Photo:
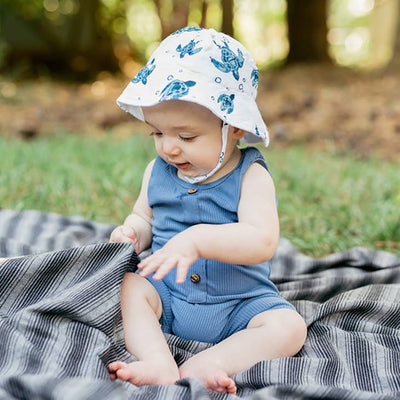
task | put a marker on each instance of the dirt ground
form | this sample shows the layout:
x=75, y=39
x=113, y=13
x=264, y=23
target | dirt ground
x=320, y=106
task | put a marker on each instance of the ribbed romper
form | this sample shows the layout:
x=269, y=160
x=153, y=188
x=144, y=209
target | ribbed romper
x=217, y=299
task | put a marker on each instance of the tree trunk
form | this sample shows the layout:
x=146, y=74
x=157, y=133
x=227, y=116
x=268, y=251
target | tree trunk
x=178, y=19
x=204, y=8
x=180, y=12
x=307, y=26
x=227, y=17
x=157, y=3
x=82, y=26
x=395, y=62
x=80, y=46
x=88, y=48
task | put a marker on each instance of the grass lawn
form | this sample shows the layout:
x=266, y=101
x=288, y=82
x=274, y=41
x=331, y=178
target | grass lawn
x=327, y=202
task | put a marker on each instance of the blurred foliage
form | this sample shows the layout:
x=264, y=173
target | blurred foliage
x=61, y=35
x=86, y=35
x=262, y=28
x=363, y=32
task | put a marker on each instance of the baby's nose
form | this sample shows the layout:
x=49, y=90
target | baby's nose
x=170, y=147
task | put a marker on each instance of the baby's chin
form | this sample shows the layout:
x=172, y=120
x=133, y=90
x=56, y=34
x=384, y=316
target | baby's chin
x=185, y=174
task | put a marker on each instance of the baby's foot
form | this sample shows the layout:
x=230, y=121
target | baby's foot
x=213, y=377
x=143, y=373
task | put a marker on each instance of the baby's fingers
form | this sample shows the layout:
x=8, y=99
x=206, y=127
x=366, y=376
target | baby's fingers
x=157, y=262
x=164, y=268
x=118, y=236
x=128, y=232
x=182, y=270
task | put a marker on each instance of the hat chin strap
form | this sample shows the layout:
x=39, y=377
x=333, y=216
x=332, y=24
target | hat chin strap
x=202, y=178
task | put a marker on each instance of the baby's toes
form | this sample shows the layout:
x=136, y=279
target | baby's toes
x=224, y=384
x=115, y=366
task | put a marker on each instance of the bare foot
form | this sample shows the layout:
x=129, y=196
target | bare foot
x=213, y=377
x=143, y=373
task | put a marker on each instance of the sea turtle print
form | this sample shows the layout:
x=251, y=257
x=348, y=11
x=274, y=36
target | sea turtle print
x=187, y=29
x=144, y=73
x=226, y=102
x=188, y=49
x=176, y=89
x=254, y=77
x=230, y=62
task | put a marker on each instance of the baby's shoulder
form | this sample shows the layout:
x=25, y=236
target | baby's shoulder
x=252, y=158
x=257, y=175
x=256, y=171
x=148, y=171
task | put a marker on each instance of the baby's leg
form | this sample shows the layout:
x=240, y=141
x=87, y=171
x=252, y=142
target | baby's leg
x=271, y=334
x=141, y=310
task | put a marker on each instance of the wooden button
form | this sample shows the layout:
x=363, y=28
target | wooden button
x=193, y=190
x=195, y=278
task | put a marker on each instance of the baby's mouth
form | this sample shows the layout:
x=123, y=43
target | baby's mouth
x=182, y=166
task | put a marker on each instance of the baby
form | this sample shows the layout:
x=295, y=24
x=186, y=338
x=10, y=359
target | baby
x=208, y=211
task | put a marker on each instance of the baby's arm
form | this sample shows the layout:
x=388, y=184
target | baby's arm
x=253, y=239
x=136, y=228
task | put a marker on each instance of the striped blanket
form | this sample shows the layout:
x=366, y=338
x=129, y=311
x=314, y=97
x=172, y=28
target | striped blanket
x=60, y=321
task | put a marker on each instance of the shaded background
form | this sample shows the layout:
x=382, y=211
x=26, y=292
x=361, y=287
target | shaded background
x=330, y=68
x=80, y=37
x=329, y=93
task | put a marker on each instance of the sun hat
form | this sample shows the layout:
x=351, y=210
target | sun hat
x=206, y=67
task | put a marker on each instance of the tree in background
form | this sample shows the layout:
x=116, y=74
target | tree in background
x=307, y=31
x=69, y=35
x=84, y=37
x=174, y=14
x=307, y=23
x=395, y=62
x=227, y=17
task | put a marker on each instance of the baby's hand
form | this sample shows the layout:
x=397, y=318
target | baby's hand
x=124, y=234
x=180, y=252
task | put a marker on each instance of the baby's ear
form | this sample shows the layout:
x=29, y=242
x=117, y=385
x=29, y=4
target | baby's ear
x=238, y=133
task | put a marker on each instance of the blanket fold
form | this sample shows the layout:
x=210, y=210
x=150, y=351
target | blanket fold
x=60, y=320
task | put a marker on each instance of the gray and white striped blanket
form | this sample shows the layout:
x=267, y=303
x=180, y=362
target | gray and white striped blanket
x=60, y=322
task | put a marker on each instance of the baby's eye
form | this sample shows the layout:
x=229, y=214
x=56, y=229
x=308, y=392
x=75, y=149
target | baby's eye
x=157, y=134
x=187, y=138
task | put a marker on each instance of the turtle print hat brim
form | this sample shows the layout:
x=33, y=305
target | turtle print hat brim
x=205, y=67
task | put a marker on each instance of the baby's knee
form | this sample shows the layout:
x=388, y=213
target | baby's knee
x=134, y=281
x=296, y=331
x=288, y=325
x=138, y=289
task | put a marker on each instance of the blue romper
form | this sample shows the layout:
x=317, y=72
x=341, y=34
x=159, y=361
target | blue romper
x=217, y=299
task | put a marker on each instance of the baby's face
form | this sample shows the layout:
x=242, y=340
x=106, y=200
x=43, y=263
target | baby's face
x=187, y=136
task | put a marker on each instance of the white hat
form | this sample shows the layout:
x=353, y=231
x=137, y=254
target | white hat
x=205, y=67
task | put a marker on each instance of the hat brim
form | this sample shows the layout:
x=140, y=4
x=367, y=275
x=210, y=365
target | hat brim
x=136, y=96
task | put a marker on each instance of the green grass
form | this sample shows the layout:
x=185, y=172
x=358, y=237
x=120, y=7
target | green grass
x=327, y=202
x=97, y=178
